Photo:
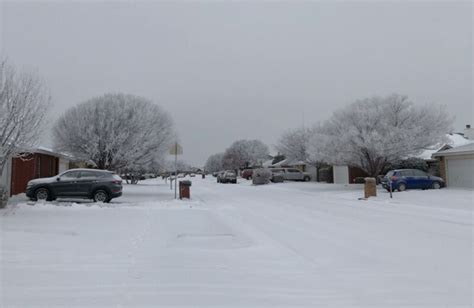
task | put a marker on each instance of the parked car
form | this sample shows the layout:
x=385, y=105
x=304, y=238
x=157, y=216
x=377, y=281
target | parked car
x=292, y=174
x=403, y=179
x=228, y=176
x=278, y=175
x=149, y=175
x=98, y=185
x=218, y=175
x=247, y=174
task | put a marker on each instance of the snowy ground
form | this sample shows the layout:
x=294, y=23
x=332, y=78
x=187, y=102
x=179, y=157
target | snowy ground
x=285, y=245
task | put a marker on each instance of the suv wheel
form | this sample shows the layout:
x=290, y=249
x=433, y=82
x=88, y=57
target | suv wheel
x=42, y=194
x=402, y=187
x=307, y=178
x=436, y=185
x=101, y=196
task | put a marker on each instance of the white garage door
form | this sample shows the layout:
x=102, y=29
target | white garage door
x=461, y=172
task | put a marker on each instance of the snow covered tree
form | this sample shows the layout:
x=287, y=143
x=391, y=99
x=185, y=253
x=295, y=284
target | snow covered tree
x=24, y=101
x=245, y=153
x=373, y=132
x=214, y=163
x=295, y=144
x=116, y=131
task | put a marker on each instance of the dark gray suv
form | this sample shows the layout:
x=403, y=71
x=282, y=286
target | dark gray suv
x=99, y=185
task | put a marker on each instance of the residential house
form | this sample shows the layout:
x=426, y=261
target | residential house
x=456, y=161
x=344, y=174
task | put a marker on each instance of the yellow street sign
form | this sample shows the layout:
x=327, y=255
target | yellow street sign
x=176, y=149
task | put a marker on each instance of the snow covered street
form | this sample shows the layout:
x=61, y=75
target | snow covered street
x=286, y=245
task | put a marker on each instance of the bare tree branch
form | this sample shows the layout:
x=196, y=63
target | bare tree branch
x=24, y=101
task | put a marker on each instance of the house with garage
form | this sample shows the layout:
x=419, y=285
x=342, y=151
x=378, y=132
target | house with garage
x=343, y=174
x=457, y=166
x=32, y=164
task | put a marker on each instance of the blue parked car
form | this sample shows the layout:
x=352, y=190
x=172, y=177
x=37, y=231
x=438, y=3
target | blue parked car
x=403, y=179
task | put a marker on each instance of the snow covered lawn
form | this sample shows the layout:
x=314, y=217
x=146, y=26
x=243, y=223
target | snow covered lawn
x=287, y=245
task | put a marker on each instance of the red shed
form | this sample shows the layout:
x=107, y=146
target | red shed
x=38, y=164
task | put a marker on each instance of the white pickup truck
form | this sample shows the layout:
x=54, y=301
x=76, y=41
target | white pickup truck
x=292, y=174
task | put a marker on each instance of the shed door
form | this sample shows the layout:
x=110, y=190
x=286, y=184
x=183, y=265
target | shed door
x=23, y=170
x=461, y=172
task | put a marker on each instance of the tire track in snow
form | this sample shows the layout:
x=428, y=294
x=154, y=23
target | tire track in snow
x=135, y=244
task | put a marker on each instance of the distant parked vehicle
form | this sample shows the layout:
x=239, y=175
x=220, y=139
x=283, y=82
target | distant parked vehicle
x=149, y=176
x=292, y=174
x=99, y=185
x=192, y=175
x=228, y=176
x=278, y=175
x=219, y=175
x=247, y=174
x=403, y=179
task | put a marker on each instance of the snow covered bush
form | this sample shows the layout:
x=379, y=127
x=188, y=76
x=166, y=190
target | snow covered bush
x=374, y=132
x=3, y=198
x=261, y=176
x=116, y=131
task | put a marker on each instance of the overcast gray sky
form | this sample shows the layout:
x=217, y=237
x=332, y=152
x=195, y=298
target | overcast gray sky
x=232, y=70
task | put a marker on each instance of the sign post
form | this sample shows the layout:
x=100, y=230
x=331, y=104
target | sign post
x=175, y=150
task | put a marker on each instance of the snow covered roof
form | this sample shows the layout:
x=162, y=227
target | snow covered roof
x=288, y=162
x=461, y=150
x=281, y=163
x=267, y=163
x=454, y=140
x=47, y=151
